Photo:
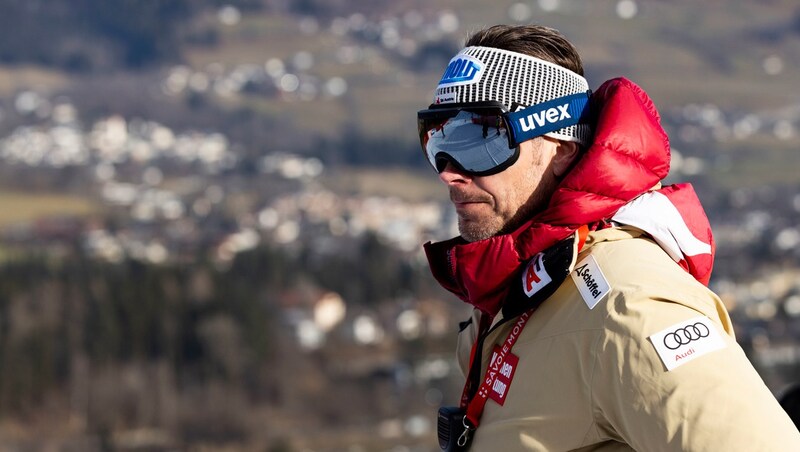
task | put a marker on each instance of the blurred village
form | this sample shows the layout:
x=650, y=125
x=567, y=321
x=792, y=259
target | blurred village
x=302, y=316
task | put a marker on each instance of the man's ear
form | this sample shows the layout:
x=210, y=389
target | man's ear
x=566, y=155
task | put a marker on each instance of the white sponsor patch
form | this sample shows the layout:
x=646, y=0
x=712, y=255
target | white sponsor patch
x=445, y=98
x=535, y=276
x=685, y=341
x=591, y=282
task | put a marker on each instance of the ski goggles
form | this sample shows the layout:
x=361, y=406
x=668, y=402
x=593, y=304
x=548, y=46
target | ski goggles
x=483, y=138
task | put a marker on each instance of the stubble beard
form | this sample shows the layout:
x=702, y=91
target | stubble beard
x=473, y=229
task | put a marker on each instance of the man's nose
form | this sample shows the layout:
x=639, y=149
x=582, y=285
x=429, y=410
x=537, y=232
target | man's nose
x=452, y=175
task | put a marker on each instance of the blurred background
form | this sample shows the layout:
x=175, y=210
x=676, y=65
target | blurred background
x=211, y=211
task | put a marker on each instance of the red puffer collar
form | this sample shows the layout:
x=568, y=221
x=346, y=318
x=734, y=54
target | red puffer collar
x=629, y=156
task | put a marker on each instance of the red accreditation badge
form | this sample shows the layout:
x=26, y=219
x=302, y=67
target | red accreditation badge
x=504, y=374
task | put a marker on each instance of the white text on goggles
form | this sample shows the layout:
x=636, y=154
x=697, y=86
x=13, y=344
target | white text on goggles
x=483, y=139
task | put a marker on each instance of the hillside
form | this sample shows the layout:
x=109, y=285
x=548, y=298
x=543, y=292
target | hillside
x=341, y=84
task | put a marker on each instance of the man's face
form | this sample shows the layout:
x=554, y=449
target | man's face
x=499, y=203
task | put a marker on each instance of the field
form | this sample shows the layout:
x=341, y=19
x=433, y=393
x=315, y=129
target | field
x=16, y=207
x=393, y=182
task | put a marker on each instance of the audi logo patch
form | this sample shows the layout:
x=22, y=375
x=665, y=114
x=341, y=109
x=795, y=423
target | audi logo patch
x=686, y=341
x=683, y=336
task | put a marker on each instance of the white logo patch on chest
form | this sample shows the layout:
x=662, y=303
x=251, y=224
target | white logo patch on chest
x=591, y=282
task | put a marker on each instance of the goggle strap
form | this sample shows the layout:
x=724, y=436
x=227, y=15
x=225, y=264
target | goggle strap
x=547, y=117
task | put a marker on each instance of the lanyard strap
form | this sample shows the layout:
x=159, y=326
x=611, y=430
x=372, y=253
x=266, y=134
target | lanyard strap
x=475, y=406
x=473, y=376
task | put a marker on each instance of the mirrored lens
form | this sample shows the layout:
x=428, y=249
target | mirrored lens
x=475, y=143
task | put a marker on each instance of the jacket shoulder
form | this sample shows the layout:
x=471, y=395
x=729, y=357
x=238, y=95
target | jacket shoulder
x=667, y=354
x=641, y=275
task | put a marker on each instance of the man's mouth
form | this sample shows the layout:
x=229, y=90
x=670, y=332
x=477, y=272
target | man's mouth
x=463, y=199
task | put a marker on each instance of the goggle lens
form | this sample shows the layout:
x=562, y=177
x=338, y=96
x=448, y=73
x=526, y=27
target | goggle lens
x=474, y=141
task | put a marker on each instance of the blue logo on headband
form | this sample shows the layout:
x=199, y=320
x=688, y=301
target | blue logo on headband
x=461, y=70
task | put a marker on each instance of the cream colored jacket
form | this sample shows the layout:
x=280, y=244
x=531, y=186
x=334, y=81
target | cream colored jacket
x=593, y=379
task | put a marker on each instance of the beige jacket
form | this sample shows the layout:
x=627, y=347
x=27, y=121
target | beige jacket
x=593, y=379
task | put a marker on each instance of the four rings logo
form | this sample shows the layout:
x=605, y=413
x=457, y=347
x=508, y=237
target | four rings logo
x=686, y=341
x=685, y=335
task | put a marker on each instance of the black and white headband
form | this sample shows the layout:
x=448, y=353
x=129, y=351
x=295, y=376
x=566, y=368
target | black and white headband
x=480, y=74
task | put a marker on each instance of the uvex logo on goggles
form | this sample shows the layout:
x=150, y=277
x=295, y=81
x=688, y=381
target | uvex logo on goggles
x=547, y=117
x=483, y=138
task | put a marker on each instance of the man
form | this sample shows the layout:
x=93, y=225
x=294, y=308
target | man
x=593, y=328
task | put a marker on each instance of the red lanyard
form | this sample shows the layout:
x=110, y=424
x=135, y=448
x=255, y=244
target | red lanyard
x=474, y=407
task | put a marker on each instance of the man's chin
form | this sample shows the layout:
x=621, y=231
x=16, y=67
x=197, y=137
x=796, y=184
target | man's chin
x=473, y=231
